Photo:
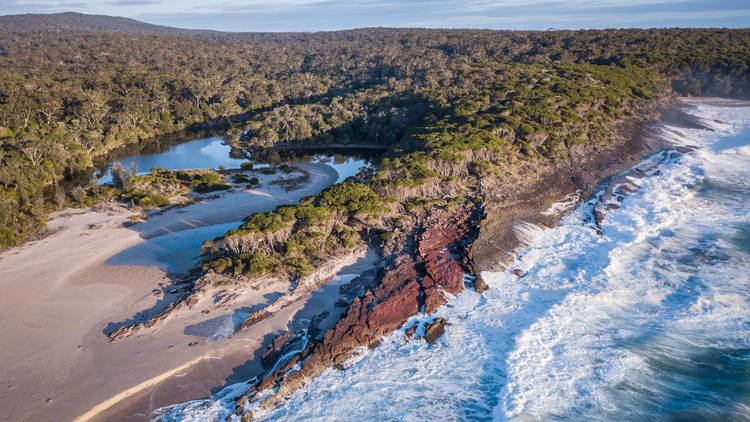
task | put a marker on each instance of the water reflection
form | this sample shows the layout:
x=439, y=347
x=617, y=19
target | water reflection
x=197, y=154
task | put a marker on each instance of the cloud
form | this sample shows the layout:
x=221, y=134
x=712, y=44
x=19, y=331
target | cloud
x=540, y=14
x=39, y=6
x=317, y=15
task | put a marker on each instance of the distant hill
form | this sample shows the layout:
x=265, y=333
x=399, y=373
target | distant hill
x=83, y=22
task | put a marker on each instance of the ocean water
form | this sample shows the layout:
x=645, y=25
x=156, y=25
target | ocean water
x=647, y=321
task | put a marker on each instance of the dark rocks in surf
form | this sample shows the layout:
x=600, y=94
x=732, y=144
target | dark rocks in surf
x=435, y=330
x=281, y=345
x=625, y=184
x=357, y=286
x=480, y=286
x=410, y=331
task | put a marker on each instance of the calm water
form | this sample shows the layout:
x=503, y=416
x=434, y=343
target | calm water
x=649, y=321
x=176, y=252
x=206, y=153
x=210, y=153
x=179, y=251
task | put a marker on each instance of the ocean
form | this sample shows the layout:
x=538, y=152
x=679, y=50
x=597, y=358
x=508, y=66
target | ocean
x=644, y=318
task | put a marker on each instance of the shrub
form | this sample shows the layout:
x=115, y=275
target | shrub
x=240, y=178
x=259, y=264
x=78, y=195
x=288, y=213
x=269, y=222
x=355, y=198
x=209, y=182
x=300, y=266
x=218, y=265
x=159, y=200
x=310, y=215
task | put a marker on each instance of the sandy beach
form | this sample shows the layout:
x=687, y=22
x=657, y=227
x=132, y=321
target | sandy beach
x=59, y=294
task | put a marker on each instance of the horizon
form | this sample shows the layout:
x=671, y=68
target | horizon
x=334, y=15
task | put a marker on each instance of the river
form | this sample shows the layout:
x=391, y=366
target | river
x=647, y=320
x=177, y=251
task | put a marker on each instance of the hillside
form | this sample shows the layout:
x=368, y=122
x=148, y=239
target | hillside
x=84, y=22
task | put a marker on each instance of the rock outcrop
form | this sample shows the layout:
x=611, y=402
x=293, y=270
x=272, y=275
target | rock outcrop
x=532, y=192
x=411, y=282
x=629, y=181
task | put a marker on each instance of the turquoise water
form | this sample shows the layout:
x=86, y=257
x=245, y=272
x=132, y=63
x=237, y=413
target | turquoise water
x=647, y=321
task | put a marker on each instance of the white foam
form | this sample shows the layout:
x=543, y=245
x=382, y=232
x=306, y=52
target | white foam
x=592, y=329
x=568, y=202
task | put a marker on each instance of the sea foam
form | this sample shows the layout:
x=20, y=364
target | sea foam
x=648, y=320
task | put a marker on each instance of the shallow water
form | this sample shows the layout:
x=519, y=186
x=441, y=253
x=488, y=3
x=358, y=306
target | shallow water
x=648, y=321
x=179, y=251
x=176, y=252
x=205, y=153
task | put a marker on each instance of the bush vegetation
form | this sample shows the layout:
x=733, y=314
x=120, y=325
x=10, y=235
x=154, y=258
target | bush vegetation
x=293, y=239
x=447, y=103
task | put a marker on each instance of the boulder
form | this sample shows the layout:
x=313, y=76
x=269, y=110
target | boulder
x=434, y=330
x=480, y=286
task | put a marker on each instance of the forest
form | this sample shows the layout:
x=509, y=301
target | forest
x=453, y=107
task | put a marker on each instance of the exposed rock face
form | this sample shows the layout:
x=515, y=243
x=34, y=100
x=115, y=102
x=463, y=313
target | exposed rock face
x=411, y=281
x=357, y=286
x=480, y=285
x=526, y=198
x=280, y=345
x=430, y=264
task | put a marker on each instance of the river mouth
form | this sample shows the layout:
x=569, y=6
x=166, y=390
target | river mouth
x=105, y=271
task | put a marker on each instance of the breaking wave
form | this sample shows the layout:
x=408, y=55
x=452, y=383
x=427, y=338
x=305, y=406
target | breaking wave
x=649, y=320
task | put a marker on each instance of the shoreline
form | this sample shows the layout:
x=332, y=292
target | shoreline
x=648, y=143
x=81, y=278
x=408, y=286
x=234, y=363
x=60, y=294
x=633, y=141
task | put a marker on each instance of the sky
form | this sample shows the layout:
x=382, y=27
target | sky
x=325, y=15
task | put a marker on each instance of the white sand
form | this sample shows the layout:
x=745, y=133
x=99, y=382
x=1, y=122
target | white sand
x=57, y=295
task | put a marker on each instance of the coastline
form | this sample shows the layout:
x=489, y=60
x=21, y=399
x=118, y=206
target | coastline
x=415, y=278
x=59, y=294
x=527, y=208
x=546, y=340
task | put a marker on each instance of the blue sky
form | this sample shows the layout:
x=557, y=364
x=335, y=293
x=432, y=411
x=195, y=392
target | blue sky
x=322, y=15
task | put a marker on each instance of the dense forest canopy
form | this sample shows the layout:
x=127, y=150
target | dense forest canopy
x=450, y=104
